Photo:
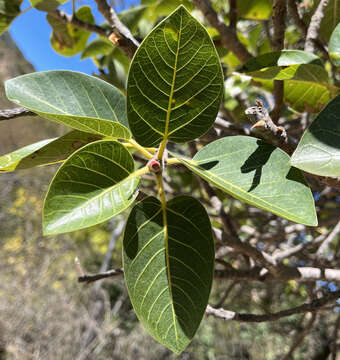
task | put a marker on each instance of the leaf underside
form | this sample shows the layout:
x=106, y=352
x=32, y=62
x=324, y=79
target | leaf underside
x=175, y=82
x=74, y=99
x=169, y=269
x=257, y=173
x=318, y=151
x=93, y=185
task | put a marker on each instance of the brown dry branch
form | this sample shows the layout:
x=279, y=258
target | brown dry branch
x=312, y=306
x=229, y=39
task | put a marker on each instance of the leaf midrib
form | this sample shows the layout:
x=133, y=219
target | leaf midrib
x=270, y=206
x=167, y=120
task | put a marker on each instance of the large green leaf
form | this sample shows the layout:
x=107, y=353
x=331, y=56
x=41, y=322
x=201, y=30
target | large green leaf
x=258, y=173
x=9, y=9
x=318, y=151
x=280, y=58
x=74, y=99
x=168, y=266
x=255, y=10
x=334, y=46
x=96, y=183
x=45, y=152
x=67, y=39
x=175, y=82
x=47, y=5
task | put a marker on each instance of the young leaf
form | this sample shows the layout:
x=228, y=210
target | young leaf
x=168, y=266
x=175, y=82
x=9, y=9
x=96, y=183
x=318, y=151
x=47, y=5
x=303, y=72
x=45, y=152
x=257, y=173
x=67, y=39
x=255, y=10
x=74, y=99
x=280, y=58
x=98, y=47
x=334, y=46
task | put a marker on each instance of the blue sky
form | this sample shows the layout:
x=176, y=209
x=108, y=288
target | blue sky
x=32, y=33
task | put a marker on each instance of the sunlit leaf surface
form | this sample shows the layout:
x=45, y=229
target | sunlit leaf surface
x=258, y=173
x=318, y=151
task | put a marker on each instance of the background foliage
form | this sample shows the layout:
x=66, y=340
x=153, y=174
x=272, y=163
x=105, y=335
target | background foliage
x=40, y=298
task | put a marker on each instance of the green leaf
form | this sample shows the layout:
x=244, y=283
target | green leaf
x=318, y=151
x=303, y=95
x=257, y=173
x=334, y=46
x=254, y=10
x=74, y=99
x=96, y=183
x=9, y=9
x=175, y=82
x=67, y=39
x=280, y=58
x=98, y=47
x=47, y=5
x=168, y=267
x=302, y=72
x=131, y=17
x=45, y=152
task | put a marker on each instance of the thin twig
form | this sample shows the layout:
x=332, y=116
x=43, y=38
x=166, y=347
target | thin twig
x=69, y=19
x=293, y=10
x=121, y=36
x=14, y=113
x=323, y=247
x=297, y=341
x=229, y=39
x=335, y=338
x=314, y=26
x=313, y=306
x=226, y=294
x=282, y=273
x=279, y=17
x=94, y=277
x=232, y=15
